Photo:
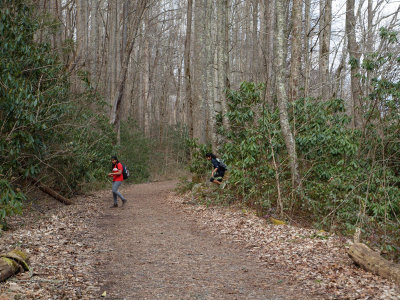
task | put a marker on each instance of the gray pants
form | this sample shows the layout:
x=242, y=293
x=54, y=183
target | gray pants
x=115, y=192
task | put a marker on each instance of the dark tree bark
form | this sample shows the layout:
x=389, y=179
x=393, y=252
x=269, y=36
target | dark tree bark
x=188, y=104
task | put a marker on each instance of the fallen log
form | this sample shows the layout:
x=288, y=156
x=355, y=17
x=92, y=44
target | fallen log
x=51, y=192
x=276, y=221
x=371, y=261
x=12, y=263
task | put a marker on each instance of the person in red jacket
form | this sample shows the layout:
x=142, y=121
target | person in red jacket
x=118, y=178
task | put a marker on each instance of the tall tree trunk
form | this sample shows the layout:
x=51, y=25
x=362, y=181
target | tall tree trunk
x=110, y=51
x=355, y=54
x=210, y=72
x=94, y=38
x=146, y=80
x=198, y=73
x=80, y=42
x=254, y=39
x=370, y=43
x=188, y=104
x=55, y=10
x=324, y=46
x=116, y=109
x=307, y=54
x=281, y=91
x=269, y=21
x=296, y=51
x=341, y=69
x=222, y=61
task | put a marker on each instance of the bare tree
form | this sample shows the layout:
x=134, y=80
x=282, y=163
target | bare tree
x=199, y=116
x=355, y=55
x=324, y=46
x=307, y=55
x=187, y=62
x=281, y=91
x=222, y=60
x=267, y=46
x=296, y=51
x=116, y=109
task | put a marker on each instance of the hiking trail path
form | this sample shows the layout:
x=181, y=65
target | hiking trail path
x=161, y=245
x=154, y=251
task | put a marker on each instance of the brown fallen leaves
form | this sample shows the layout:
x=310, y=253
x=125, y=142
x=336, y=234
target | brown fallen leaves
x=62, y=251
x=316, y=259
x=63, y=247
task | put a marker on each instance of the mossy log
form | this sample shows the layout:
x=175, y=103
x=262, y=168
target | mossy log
x=12, y=263
x=51, y=192
x=373, y=262
x=276, y=221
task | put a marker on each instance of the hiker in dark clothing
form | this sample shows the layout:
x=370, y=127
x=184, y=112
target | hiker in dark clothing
x=218, y=168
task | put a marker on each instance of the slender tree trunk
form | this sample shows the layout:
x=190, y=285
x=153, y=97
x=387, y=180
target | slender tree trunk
x=94, y=37
x=269, y=20
x=307, y=54
x=370, y=43
x=55, y=10
x=281, y=92
x=222, y=61
x=179, y=113
x=296, y=51
x=111, y=51
x=341, y=69
x=325, y=37
x=116, y=109
x=254, y=33
x=80, y=42
x=146, y=80
x=210, y=67
x=198, y=73
x=354, y=52
x=188, y=104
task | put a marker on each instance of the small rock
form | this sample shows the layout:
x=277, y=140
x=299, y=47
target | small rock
x=14, y=287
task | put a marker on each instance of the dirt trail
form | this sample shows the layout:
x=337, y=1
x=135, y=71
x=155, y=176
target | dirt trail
x=152, y=251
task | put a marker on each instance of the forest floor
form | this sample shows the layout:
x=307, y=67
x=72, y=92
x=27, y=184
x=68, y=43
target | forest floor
x=159, y=246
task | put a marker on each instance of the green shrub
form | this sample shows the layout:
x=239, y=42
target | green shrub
x=46, y=131
x=349, y=178
x=10, y=200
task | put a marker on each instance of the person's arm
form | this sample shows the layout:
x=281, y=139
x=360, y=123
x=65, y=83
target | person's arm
x=119, y=172
x=212, y=173
x=215, y=166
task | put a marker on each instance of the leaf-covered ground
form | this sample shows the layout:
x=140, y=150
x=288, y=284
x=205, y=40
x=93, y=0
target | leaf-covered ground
x=158, y=247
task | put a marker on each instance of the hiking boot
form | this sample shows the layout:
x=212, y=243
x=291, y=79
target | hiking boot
x=114, y=205
x=123, y=202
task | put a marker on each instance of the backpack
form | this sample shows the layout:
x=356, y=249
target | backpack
x=125, y=171
x=222, y=164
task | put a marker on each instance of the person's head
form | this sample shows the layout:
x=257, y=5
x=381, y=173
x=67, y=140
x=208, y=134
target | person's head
x=114, y=160
x=210, y=156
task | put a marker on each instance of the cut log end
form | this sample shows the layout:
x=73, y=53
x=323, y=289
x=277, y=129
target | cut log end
x=13, y=262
